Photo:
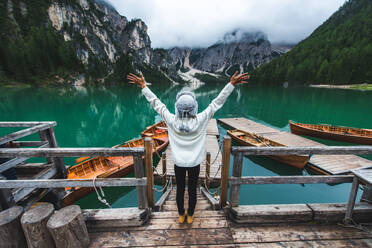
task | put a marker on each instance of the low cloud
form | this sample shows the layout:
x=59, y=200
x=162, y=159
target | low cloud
x=203, y=22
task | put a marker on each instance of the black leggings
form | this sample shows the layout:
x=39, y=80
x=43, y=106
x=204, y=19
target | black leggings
x=193, y=175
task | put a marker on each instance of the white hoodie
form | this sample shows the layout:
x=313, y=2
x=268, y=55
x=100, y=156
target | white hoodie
x=188, y=148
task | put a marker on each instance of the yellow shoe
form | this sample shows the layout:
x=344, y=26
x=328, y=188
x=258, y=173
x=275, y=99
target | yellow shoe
x=181, y=218
x=190, y=219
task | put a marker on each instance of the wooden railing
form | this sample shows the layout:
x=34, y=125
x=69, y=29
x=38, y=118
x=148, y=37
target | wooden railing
x=237, y=179
x=141, y=156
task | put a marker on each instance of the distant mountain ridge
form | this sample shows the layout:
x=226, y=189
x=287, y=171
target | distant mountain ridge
x=236, y=51
x=337, y=52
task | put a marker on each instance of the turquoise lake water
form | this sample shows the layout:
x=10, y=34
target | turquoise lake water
x=103, y=116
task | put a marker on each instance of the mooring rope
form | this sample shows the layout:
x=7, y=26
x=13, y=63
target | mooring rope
x=99, y=197
x=362, y=226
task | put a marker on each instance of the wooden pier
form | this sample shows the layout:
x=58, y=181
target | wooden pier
x=211, y=146
x=325, y=164
x=220, y=223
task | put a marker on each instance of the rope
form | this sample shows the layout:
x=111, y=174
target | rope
x=162, y=190
x=99, y=197
x=215, y=194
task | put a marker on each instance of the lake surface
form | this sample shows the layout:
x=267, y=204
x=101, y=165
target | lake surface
x=103, y=116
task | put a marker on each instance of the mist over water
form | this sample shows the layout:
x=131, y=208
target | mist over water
x=108, y=115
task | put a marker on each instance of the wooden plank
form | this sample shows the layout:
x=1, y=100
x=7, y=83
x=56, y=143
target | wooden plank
x=295, y=233
x=198, y=207
x=159, y=204
x=25, y=123
x=164, y=170
x=149, y=172
x=114, y=218
x=141, y=189
x=58, y=160
x=212, y=128
x=207, y=169
x=68, y=152
x=311, y=244
x=23, y=192
x=62, y=183
x=291, y=179
x=351, y=202
x=271, y=213
x=279, y=150
x=30, y=143
x=365, y=175
x=6, y=197
x=237, y=173
x=200, y=214
x=335, y=212
x=25, y=132
x=173, y=224
x=225, y=169
x=214, y=202
x=161, y=238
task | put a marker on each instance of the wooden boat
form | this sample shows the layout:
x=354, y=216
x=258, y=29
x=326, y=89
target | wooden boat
x=156, y=129
x=108, y=167
x=346, y=134
x=251, y=139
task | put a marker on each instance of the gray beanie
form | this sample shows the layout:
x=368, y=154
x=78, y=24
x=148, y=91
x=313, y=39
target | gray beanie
x=186, y=104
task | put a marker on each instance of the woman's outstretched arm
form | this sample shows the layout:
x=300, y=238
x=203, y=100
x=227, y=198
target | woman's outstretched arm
x=159, y=107
x=218, y=102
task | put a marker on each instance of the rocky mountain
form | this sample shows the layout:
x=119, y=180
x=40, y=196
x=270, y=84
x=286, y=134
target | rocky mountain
x=338, y=52
x=100, y=42
x=237, y=51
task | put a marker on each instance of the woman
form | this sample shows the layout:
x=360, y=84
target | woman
x=187, y=132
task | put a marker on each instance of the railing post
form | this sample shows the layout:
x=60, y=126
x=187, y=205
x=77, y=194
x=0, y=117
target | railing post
x=207, y=169
x=6, y=197
x=58, y=161
x=149, y=171
x=237, y=172
x=164, y=171
x=351, y=202
x=139, y=173
x=226, y=150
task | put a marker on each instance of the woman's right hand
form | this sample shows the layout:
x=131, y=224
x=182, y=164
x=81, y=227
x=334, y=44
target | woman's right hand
x=239, y=79
x=140, y=81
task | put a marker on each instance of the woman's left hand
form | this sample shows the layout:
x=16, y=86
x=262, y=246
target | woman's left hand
x=140, y=81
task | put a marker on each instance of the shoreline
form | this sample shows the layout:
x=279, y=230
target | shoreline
x=348, y=87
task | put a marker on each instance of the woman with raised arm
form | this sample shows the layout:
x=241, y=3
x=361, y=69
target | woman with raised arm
x=187, y=131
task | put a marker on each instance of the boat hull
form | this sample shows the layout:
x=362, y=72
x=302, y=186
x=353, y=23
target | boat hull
x=297, y=161
x=296, y=128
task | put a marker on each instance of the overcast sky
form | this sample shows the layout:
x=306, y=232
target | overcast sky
x=203, y=22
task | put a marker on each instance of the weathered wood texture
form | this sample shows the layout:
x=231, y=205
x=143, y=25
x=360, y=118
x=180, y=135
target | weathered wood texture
x=271, y=213
x=62, y=183
x=11, y=234
x=58, y=161
x=226, y=147
x=159, y=204
x=326, y=164
x=139, y=173
x=212, y=128
x=149, y=171
x=237, y=173
x=367, y=194
x=110, y=219
x=207, y=169
x=291, y=179
x=68, y=152
x=34, y=226
x=213, y=201
x=322, y=150
x=68, y=228
x=211, y=146
x=6, y=197
x=24, y=123
x=26, y=132
x=164, y=170
x=351, y=202
x=335, y=212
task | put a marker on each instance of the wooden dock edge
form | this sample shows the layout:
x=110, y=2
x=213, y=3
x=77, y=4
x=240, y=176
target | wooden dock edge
x=301, y=213
x=106, y=220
